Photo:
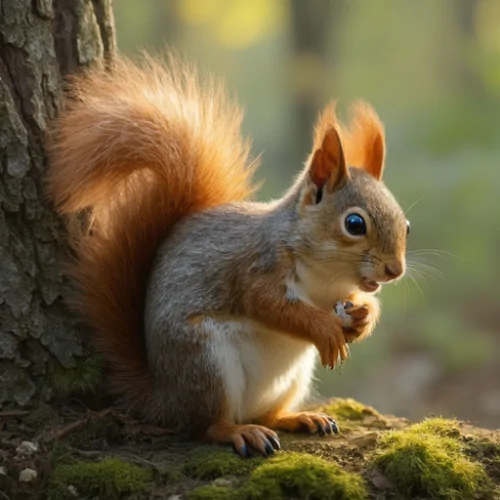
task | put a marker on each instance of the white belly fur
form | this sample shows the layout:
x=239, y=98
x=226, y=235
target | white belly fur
x=259, y=367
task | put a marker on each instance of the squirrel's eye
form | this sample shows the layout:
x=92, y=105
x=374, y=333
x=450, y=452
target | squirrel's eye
x=355, y=225
x=408, y=228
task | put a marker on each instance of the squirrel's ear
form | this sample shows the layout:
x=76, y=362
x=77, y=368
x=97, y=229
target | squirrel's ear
x=327, y=167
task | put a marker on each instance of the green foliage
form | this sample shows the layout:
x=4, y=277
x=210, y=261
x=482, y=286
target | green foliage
x=110, y=479
x=84, y=377
x=428, y=460
x=299, y=475
x=212, y=462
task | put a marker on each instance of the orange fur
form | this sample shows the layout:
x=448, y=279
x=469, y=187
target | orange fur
x=363, y=140
x=142, y=147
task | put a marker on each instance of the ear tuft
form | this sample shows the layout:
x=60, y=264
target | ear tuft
x=364, y=141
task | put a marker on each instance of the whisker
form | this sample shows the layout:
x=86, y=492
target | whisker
x=413, y=204
x=416, y=275
x=425, y=269
x=417, y=285
x=434, y=252
x=405, y=295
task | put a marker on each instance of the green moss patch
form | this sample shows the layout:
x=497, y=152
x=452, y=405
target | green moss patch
x=349, y=409
x=299, y=475
x=351, y=414
x=437, y=426
x=211, y=493
x=110, y=479
x=428, y=460
x=212, y=462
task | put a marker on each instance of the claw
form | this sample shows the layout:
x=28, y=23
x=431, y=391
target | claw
x=321, y=430
x=243, y=452
x=275, y=443
x=334, y=426
x=269, y=448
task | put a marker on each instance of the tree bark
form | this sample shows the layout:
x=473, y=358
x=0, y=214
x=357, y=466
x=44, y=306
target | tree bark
x=41, y=41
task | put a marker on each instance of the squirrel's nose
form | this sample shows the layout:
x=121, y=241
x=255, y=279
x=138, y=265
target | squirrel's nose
x=394, y=270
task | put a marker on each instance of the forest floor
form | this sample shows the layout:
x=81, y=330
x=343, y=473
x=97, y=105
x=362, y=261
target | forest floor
x=74, y=453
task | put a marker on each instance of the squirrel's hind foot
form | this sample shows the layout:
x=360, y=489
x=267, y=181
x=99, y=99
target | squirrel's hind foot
x=304, y=422
x=244, y=438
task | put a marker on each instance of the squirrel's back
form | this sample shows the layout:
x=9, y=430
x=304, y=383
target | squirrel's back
x=141, y=147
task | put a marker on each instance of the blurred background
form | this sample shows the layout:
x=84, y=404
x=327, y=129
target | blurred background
x=432, y=71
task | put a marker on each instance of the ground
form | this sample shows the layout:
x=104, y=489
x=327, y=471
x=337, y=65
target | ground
x=70, y=452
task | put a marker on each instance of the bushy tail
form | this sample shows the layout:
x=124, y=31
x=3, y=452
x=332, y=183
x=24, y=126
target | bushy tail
x=142, y=147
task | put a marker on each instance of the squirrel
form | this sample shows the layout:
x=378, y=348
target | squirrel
x=210, y=308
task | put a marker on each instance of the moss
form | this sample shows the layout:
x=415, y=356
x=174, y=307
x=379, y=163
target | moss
x=211, y=463
x=211, y=492
x=437, y=426
x=170, y=475
x=300, y=475
x=428, y=460
x=349, y=412
x=111, y=479
x=85, y=377
x=60, y=453
x=487, y=452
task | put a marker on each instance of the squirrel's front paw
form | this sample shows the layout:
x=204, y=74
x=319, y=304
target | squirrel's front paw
x=332, y=346
x=358, y=321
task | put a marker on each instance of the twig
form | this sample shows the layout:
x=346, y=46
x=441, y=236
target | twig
x=134, y=459
x=63, y=431
x=89, y=453
x=73, y=426
x=142, y=461
x=13, y=414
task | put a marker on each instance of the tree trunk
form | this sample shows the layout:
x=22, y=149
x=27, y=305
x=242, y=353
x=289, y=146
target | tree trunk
x=41, y=41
